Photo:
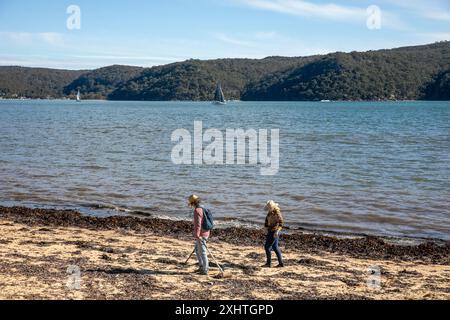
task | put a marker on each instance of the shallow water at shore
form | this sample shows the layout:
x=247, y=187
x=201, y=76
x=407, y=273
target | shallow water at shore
x=376, y=168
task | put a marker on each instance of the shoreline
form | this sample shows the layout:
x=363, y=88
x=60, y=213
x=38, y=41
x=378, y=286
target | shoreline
x=132, y=258
x=370, y=246
x=208, y=101
x=102, y=211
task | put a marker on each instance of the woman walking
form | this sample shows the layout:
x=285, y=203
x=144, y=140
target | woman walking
x=274, y=224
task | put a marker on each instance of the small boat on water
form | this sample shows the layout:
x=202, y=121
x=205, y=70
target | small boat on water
x=219, y=97
x=325, y=101
x=78, y=96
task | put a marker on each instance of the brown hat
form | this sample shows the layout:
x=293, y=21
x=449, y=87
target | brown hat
x=194, y=199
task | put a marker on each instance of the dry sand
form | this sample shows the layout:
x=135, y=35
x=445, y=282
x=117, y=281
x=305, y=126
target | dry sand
x=136, y=263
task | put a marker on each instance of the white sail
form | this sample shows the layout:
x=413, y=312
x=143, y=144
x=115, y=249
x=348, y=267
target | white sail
x=78, y=96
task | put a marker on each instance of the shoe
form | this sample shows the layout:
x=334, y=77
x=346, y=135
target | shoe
x=200, y=271
x=267, y=265
x=281, y=265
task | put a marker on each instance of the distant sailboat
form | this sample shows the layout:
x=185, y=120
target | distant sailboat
x=219, y=98
x=78, y=96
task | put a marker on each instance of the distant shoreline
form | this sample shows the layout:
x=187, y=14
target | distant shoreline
x=207, y=101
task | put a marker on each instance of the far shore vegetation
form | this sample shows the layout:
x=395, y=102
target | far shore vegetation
x=409, y=73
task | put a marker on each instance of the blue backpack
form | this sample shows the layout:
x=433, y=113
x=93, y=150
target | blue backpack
x=208, y=220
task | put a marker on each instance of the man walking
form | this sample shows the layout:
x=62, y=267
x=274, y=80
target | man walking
x=201, y=236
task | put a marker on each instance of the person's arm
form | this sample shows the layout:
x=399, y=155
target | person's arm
x=266, y=224
x=198, y=218
x=278, y=226
x=281, y=221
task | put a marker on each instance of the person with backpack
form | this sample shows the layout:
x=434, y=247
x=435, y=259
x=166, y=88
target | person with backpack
x=274, y=224
x=203, y=225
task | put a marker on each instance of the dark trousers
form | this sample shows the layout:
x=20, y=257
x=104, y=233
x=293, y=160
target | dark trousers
x=272, y=243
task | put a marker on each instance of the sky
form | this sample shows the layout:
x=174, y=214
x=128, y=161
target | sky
x=50, y=33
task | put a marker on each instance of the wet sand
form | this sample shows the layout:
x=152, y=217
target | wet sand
x=132, y=258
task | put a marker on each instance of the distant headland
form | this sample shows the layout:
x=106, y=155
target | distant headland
x=408, y=73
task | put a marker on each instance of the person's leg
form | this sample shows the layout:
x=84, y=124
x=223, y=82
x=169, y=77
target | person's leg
x=198, y=253
x=204, y=255
x=277, y=250
x=268, y=248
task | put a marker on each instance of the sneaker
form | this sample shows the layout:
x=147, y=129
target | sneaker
x=267, y=265
x=281, y=265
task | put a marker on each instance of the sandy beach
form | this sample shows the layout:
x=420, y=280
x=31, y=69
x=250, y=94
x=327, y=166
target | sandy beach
x=132, y=258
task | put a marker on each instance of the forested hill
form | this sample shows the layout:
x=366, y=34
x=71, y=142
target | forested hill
x=420, y=72
x=197, y=80
x=16, y=82
x=405, y=74
x=439, y=88
x=99, y=83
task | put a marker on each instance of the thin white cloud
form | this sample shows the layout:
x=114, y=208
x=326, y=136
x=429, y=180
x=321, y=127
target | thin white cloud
x=438, y=15
x=438, y=10
x=328, y=11
x=117, y=57
x=51, y=38
x=17, y=37
x=309, y=9
x=233, y=40
x=435, y=36
x=261, y=44
x=265, y=35
x=43, y=62
x=29, y=38
x=77, y=62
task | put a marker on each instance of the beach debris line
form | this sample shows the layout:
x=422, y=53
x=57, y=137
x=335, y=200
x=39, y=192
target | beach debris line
x=370, y=247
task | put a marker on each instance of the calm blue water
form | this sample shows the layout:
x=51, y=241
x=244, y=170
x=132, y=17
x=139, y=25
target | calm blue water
x=377, y=168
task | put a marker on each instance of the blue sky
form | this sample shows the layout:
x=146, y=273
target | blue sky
x=153, y=32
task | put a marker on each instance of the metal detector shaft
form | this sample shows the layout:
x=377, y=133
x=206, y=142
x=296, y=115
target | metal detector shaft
x=190, y=256
x=215, y=260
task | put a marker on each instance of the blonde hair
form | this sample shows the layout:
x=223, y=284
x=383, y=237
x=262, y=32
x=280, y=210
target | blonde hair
x=272, y=206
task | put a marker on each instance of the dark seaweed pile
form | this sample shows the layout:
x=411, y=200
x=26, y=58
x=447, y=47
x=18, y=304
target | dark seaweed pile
x=360, y=247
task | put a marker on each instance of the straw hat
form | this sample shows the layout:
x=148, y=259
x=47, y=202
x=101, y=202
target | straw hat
x=194, y=199
x=271, y=205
